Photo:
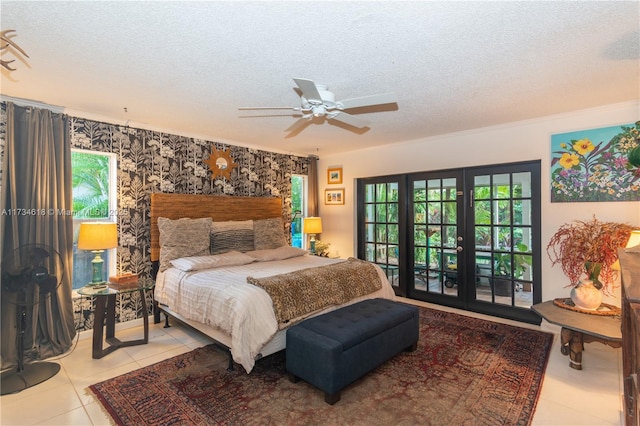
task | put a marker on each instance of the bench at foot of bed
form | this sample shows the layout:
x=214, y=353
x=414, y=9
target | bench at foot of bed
x=335, y=349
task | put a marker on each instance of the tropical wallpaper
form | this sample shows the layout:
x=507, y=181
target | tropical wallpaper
x=151, y=161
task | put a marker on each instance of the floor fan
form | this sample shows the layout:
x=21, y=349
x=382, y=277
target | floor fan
x=29, y=274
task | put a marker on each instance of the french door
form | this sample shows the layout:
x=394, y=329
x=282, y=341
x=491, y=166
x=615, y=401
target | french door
x=467, y=238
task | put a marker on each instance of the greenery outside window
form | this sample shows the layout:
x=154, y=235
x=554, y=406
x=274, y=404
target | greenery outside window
x=94, y=199
x=298, y=208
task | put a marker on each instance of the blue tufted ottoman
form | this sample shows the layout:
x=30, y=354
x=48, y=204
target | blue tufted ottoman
x=335, y=349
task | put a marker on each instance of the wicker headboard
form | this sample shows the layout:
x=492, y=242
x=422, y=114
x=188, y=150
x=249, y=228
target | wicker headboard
x=219, y=208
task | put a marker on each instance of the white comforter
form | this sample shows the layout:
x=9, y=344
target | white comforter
x=221, y=298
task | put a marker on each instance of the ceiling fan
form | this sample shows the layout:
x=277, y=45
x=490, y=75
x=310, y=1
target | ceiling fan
x=318, y=103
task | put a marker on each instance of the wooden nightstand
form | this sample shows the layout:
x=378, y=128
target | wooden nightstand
x=105, y=316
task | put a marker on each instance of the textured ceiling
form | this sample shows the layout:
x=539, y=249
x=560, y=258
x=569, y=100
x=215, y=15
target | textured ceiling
x=186, y=67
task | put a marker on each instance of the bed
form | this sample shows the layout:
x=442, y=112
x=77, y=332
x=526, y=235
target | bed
x=229, y=242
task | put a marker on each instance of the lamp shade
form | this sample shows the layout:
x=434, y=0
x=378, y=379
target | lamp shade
x=97, y=236
x=634, y=238
x=312, y=225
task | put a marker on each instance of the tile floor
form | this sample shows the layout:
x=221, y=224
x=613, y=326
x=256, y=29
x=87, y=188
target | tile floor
x=569, y=397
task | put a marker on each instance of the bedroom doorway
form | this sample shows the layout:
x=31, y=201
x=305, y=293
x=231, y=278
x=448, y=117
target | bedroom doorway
x=467, y=238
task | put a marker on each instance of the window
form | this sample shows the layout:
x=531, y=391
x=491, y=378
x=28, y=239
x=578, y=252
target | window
x=298, y=207
x=94, y=184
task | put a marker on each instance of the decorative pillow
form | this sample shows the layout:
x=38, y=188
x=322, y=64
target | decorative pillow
x=198, y=263
x=268, y=233
x=234, y=235
x=182, y=238
x=280, y=253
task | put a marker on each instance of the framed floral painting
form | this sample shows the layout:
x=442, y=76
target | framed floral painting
x=596, y=165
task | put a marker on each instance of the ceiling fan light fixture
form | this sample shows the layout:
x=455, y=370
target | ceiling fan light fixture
x=318, y=105
x=319, y=111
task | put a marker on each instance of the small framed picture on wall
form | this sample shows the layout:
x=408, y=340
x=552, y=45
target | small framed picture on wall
x=334, y=196
x=334, y=175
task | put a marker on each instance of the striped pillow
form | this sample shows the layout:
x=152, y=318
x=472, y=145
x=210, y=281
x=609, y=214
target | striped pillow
x=231, y=236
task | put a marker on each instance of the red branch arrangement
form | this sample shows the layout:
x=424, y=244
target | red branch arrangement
x=579, y=242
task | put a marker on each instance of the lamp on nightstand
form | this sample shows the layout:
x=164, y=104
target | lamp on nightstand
x=97, y=237
x=312, y=226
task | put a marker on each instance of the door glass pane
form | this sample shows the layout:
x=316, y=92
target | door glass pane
x=435, y=212
x=369, y=213
x=501, y=238
x=369, y=193
x=420, y=213
x=522, y=212
x=392, y=212
x=482, y=188
x=370, y=250
x=434, y=189
x=449, y=239
x=521, y=185
x=381, y=192
x=392, y=191
x=450, y=212
x=369, y=232
x=483, y=237
x=502, y=212
x=501, y=187
x=392, y=233
x=482, y=212
x=449, y=189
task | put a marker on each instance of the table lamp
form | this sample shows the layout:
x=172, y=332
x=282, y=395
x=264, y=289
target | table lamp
x=312, y=226
x=634, y=239
x=97, y=237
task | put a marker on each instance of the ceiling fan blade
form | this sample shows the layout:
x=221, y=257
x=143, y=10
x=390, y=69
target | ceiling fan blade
x=260, y=108
x=383, y=98
x=309, y=89
x=299, y=124
x=349, y=119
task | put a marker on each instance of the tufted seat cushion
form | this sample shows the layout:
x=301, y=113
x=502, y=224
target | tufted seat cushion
x=359, y=322
x=333, y=350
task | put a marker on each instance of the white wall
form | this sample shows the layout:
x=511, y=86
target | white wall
x=520, y=141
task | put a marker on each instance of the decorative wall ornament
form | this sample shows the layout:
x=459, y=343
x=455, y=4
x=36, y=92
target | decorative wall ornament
x=596, y=165
x=8, y=45
x=220, y=163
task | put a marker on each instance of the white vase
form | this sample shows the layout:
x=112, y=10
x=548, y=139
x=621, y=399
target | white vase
x=586, y=296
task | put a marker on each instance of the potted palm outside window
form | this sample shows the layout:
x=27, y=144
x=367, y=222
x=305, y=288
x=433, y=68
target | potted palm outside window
x=587, y=253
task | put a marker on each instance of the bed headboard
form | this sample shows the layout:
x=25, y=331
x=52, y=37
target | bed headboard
x=219, y=208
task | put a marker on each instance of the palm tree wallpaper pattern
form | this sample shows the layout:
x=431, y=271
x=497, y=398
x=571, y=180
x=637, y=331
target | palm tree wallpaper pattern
x=151, y=161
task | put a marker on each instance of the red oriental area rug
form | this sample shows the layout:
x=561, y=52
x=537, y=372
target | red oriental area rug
x=465, y=371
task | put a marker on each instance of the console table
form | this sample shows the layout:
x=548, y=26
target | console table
x=580, y=328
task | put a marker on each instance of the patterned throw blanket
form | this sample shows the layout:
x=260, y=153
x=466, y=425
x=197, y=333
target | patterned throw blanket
x=302, y=292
